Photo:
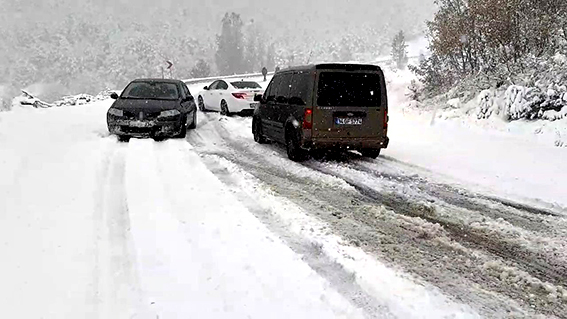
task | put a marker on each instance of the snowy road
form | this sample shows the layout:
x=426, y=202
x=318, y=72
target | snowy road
x=216, y=226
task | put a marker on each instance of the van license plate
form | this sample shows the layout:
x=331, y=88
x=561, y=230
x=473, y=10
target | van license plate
x=348, y=121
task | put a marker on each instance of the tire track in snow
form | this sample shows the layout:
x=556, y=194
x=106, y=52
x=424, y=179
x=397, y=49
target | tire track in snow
x=201, y=254
x=261, y=161
x=118, y=291
x=554, y=271
x=341, y=279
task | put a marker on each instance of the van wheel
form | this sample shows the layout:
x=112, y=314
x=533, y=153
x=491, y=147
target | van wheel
x=294, y=151
x=371, y=153
x=258, y=132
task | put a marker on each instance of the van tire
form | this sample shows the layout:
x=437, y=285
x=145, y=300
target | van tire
x=258, y=132
x=294, y=151
x=371, y=153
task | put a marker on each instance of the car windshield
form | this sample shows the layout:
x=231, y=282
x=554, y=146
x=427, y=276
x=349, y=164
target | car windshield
x=151, y=90
x=348, y=89
x=246, y=85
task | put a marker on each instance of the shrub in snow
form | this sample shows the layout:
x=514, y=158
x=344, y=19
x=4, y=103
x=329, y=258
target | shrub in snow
x=454, y=103
x=486, y=104
x=415, y=90
x=532, y=103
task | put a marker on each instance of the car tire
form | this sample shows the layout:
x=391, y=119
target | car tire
x=183, y=132
x=294, y=151
x=258, y=132
x=224, y=108
x=201, y=103
x=371, y=153
x=123, y=138
x=194, y=122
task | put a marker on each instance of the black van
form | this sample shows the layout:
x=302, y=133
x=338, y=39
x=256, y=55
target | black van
x=324, y=106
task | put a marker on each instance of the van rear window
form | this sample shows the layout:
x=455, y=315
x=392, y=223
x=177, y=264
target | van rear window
x=348, y=89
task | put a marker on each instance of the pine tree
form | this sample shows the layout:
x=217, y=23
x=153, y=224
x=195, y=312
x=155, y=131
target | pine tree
x=230, y=50
x=399, y=50
x=261, y=54
x=271, y=57
x=201, y=70
x=251, y=54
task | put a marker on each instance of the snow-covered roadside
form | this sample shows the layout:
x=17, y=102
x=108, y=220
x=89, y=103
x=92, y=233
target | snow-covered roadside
x=51, y=162
x=93, y=228
x=508, y=163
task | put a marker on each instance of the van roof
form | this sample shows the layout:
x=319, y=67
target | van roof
x=334, y=66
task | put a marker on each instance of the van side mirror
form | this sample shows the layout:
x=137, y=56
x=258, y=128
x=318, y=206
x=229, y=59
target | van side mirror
x=114, y=95
x=258, y=98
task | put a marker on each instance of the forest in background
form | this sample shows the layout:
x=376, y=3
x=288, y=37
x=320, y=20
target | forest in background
x=58, y=47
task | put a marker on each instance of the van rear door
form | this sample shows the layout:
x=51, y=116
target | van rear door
x=349, y=104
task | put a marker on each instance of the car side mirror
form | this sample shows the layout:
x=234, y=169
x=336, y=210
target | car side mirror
x=114, y=95
x=258, y=98
x=206, y=88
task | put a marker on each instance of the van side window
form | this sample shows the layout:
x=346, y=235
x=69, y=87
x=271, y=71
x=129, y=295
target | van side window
x=299, y=88
x=283, y=88
x=271, y=91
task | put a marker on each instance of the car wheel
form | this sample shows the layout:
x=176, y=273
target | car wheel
x=224, y=108
x=258, y=132
x=371, y=153
x=194, y=122
x=201, y=103
x=294, y=151
x=183, y=132
x=123, y=138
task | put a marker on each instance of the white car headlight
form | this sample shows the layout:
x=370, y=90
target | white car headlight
x=169, y=113
x=116, y=112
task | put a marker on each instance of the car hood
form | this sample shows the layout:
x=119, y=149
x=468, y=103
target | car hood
x=145, y=105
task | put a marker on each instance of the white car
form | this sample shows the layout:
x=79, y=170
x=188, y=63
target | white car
x=229, y=97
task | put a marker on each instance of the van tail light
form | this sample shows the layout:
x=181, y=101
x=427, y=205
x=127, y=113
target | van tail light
x=308, y=119
x=386, y=118
x=239, y=95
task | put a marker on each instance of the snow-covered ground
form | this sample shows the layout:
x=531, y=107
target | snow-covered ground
x=451, y=222
x=96, y=229
x=518, y=159
x=93, y=228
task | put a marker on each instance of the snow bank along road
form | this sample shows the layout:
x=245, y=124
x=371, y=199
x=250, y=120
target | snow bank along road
x=216, y=226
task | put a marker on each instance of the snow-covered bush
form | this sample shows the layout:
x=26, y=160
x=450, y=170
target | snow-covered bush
x=487, y=104
x=455, y=103
x=533, y=103
x=415, y=91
